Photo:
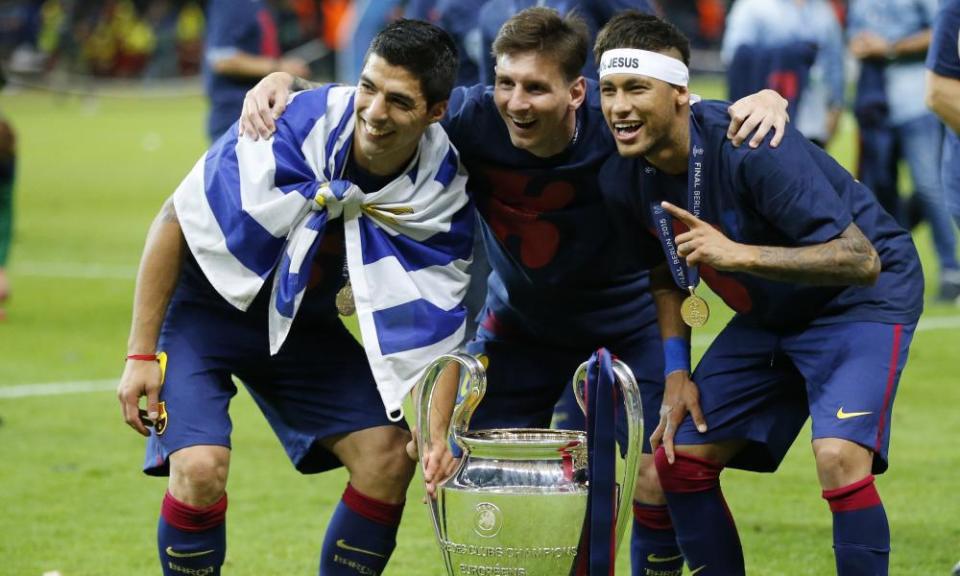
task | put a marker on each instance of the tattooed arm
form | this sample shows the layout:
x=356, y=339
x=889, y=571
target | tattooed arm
x=849, y=259
x=156, y=281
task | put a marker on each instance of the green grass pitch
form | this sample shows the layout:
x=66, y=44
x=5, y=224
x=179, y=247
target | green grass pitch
x=93, y=172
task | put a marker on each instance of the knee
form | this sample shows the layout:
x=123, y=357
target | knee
x=198, y=474
x=687, y=473
x=648, y=488
x=381, y=468
x=841, y=462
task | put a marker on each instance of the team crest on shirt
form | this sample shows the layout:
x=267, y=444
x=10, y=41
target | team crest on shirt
x=160, y=426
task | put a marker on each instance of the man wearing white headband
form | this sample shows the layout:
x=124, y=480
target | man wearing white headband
x=826, y=287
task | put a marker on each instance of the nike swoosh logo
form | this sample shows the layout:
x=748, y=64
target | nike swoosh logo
x=844, y=415
x=655, y=558
x=174, y=554
x=342, y=543
x=695, y=570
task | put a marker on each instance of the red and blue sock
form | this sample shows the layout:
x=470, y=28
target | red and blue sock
x=653, y=546
x=192, y=540
x=361, y=536
x=861, y=535
x=705, y=528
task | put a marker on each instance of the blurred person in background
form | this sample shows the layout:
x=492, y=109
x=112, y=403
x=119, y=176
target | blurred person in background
x=760, y=37
x=358, y=29
x=7, y=164
x=890, y=38
x=595, y=12
x=943, y=96
x=242, y=46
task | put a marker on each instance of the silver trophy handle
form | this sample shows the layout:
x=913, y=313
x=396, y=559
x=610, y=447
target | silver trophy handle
x=472, y=383
x=631, y=399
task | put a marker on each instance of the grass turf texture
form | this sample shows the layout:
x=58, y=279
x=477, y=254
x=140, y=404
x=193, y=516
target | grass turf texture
x=92, y=173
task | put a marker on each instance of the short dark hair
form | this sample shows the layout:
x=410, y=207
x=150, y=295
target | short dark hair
x=564, y=39
x=635, y=29
x=424, y=50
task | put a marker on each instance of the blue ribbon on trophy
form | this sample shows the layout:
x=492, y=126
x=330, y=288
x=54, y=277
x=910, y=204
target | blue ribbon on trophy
x=601, y=400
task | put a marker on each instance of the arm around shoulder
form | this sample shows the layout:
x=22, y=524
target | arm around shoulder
x=943, y=98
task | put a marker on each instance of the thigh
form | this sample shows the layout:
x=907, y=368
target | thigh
x=524, y=380
x=643, y=353
x=197, y=387
x=318, y=386
x=921, y=142
x=748, y=391
x=852, y=371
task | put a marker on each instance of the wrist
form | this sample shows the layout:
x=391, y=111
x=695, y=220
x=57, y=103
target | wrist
x=676, y=355
x=143, y=357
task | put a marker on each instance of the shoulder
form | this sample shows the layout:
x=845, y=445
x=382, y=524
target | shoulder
x=306, y=108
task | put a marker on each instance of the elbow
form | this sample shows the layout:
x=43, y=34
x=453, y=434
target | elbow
x=870, y=270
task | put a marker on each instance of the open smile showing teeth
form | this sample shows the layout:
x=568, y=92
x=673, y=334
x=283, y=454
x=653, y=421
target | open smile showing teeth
x=523, y=124
x=374, y=131
x=627, y=128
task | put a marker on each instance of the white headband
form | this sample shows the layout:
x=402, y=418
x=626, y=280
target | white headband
x=644, y=63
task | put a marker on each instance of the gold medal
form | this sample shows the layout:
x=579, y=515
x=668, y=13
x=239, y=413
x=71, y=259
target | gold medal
x=694, y=311
x=344, y=301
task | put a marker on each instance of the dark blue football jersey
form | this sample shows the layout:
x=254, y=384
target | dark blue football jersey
x=793, y=195
x=943, y=57
x=558, y=263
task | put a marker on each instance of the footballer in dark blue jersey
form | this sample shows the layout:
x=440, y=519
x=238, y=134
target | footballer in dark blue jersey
x=241, y=46
x=187, y=342
x=564, y=282
x=943, y=95
x=827, y=289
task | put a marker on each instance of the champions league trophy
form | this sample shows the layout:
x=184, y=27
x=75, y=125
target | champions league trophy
x=516, y=504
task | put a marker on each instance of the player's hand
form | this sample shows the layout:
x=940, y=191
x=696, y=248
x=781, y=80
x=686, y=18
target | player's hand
x=141, y=378
x=869, y=45
x=681, y=396
x=263, y=104
x=438, y=464
x=756, y=114
x=704, y=244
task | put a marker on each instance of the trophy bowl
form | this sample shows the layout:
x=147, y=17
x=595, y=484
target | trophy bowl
x=516, y=503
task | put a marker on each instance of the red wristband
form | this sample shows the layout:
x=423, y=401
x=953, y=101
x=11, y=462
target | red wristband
x=144, y=357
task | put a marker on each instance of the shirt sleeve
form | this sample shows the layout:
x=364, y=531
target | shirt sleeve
x=788, y=189
x=229, y=30
x=741, y=28
x=464, y=111
x=943, y=56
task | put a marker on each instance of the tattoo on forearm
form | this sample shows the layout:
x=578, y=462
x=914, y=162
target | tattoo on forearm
x=299, y=84
x=848, y=259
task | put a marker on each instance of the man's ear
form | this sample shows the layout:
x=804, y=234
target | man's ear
x=578, y=92
x=437, y=111
x=683, y=96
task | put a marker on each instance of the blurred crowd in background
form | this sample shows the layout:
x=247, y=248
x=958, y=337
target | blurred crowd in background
x=164, y=38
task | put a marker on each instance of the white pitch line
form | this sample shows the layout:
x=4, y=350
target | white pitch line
x=57, y=388
x=64, y=388
x=73, y=270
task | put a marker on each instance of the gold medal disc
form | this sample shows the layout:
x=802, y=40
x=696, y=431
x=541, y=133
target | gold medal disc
x=694, y=311
x=344, y=301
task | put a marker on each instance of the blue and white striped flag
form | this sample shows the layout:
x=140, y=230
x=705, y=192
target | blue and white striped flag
x=248, y=208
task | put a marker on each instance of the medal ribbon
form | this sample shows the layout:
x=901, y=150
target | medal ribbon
x=686, y=277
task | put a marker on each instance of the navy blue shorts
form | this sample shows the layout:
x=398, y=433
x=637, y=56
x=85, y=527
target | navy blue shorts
x=760, y=385
x=526, y=376
x=319, y=385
